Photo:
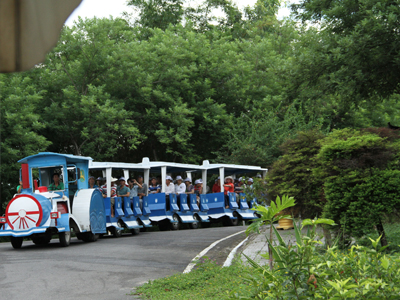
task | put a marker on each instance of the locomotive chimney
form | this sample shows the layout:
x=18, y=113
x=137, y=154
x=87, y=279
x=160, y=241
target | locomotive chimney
x=25, y=176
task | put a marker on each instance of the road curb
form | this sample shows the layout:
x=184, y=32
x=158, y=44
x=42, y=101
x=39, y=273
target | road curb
x=191, y=265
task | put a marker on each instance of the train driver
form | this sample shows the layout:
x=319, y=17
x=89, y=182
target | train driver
x=57, y=185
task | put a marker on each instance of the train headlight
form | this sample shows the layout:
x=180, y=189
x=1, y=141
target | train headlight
x=55, y=215
x=3, y=220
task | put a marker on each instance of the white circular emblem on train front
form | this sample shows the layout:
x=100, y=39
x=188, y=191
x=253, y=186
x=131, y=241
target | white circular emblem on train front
x=156, y=200
x=23, y=212
x=215, y=199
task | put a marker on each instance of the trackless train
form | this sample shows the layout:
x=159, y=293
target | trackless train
x=40, y=213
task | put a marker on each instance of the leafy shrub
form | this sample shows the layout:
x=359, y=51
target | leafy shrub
x=303, y=271
x=361, y=174
x=293, y=174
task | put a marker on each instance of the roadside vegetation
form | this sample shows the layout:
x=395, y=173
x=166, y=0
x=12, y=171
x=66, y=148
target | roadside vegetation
x=305, y=269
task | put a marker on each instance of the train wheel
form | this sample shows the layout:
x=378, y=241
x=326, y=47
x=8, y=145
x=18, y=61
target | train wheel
x=228, y=221
x=205, y=224
x=175, y=225
x=116, y=232
x=16, y=242
x=65, y=238
x=195, y=225
x=89, y=237
x=235, y=222
x=135, y=231
x=163, y=225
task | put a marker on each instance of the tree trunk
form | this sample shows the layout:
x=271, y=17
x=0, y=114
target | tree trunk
x=381, y=232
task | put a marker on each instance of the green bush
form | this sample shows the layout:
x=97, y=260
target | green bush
x=361, y=174
x=308, y=271
x=293, y=174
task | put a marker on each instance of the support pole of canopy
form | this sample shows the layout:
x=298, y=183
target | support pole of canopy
x=163, y=176
x=264, y=173
x=126, y=175
x=146, y=175
x=204, y=178
x=222, y=178
x=108, y=181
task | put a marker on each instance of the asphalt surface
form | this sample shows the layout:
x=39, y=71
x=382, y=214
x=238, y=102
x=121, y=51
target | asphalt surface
x=107, y=269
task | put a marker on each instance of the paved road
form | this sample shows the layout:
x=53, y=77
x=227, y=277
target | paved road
x=106, y=269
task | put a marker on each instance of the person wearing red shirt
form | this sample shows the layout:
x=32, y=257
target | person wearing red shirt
x=228, y=187
x=216, y=187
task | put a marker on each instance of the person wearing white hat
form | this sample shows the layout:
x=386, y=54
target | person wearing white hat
x=189, y=186
x=198, y=189
x=198, y=186
x=180, y=187
x=250, y=183
x=169, y=189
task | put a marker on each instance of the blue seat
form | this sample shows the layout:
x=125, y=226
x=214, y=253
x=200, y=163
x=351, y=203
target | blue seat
x=127, y=207
x=156, y=202
x=173, y=202
x=204, y=203
x=118, y=207
x=146, y=209
x=216, y=201
x=107, y=206
x=243, y=201
x=193, y=203
x=184, y=205
x=136, y=206
x=232, y=201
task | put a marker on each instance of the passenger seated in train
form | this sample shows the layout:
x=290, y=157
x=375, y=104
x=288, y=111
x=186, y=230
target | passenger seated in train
x=239, y=188
x=113, y=193
x=189, y=186
x=122, y=190
x=132, y=189
x=57, y=185
x=169, y=189
x=198, y=189
x=154, y=187
x=250, y=187
x=228, y=187
x=92, y=185
x=142, y=188
x=99, y=181
x=250, y=183
x=217, y=186
x=180, y=188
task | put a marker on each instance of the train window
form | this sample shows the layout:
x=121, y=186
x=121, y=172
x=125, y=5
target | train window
x=45, y=175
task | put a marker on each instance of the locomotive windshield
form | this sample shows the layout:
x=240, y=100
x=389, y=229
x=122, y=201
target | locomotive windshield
x=50, y=177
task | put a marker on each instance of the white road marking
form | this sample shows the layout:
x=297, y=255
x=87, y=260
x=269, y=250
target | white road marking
x=231, y=255
x=191, y=265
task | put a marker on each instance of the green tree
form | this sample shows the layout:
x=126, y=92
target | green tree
x=357, y=46
x=81, y=116
x=19, y=132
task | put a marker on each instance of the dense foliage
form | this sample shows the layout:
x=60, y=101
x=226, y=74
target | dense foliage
x=181, y=84
x=307, y=270
x=351, y=176
x=293, y=174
